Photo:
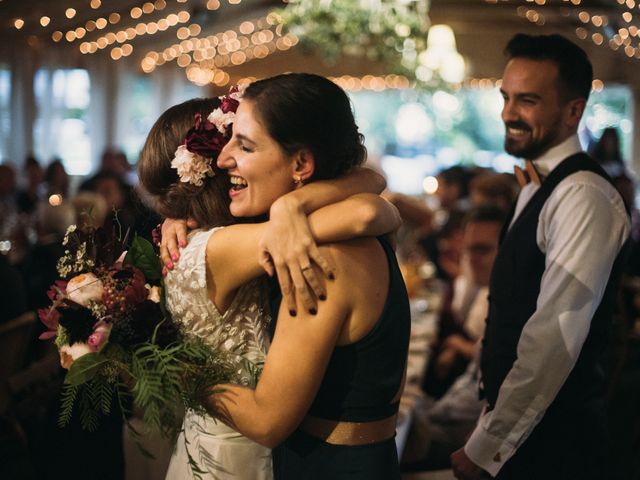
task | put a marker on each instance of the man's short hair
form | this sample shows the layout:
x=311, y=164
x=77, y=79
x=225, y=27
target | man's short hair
x=485, y=214
x=574, y=67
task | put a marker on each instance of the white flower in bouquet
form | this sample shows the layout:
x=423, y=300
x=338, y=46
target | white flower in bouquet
x=84, y=289
x=70, y=353
x=154, y=293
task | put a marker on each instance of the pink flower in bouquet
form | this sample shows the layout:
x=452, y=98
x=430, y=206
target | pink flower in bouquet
x=57, y=290
x=85, y=288
x=70, y=353
x=50, y=317
x=99, y=336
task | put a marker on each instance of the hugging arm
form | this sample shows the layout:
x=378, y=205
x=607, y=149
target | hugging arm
x=307, y=199
x=288, y=243
x=232, y=253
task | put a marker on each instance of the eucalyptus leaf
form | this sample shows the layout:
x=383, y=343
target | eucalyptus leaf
x=85, y=368
x=142, y=255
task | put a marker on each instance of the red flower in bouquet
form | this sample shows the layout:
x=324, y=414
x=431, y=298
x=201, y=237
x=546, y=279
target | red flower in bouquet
x=124, y=287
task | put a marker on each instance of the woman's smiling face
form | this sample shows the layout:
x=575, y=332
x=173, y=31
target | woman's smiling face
x=259, y=169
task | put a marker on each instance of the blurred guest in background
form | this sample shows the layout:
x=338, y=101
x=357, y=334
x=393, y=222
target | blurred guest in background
x=493, y=189
x=91, y=209
x=453, y=188
x=113, y=161
x=7, y=189
x=461, y=326
x=607, y=152
x=127, y=211
x=56, y=179
x=13, y=295
x=27, y=198
x=39, y=266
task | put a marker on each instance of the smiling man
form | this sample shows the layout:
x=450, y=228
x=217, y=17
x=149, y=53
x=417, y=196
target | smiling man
x=553, y=283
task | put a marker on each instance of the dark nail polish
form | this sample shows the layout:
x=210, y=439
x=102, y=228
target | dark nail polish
x=322, y=297
x=313, y=311
x=293, y=313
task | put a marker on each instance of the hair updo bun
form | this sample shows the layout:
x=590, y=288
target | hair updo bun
x=207, y=204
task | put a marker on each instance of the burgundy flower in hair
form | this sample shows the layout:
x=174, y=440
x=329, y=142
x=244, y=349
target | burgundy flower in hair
x=231, y=101
x=204, y=138
x=194, y=159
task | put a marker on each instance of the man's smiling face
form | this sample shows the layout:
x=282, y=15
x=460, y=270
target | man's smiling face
x=533, y=111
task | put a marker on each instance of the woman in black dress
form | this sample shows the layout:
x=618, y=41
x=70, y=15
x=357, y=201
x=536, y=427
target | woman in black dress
x=328, y=395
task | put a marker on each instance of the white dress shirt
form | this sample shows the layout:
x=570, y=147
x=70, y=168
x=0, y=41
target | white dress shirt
x=581, y=229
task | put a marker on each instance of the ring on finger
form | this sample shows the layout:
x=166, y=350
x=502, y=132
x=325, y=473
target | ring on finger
x=308, y=267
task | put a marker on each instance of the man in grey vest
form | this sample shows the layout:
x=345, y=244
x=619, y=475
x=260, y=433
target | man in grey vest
x=553, y=283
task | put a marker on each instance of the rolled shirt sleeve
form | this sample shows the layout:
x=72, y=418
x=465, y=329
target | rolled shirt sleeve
x=582, y=227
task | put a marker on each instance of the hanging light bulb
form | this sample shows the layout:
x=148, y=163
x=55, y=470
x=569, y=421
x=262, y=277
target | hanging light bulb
x=441, y=56
x=441, y=37
x=452, y=68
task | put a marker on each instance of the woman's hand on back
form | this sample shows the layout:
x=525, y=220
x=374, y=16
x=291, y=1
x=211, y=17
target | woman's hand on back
x=174, y=237
x=288, y=249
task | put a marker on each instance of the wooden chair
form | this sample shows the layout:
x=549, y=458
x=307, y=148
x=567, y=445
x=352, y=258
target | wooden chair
x=15, y=337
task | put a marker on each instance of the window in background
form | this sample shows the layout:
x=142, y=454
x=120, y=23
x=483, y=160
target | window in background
x=142, y=108
x=611, y=107
x=412, y=135
x=5, y=111
x=139, y=116
x=61, y=125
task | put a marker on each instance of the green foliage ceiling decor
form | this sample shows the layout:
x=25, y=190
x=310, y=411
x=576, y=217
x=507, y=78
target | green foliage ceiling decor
x=392, y=32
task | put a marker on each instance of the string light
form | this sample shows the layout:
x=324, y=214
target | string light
x=610, y=30
x=203, y=58
x=130, y=33
x=371, y=82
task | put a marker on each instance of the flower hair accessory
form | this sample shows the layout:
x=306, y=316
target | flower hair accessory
x=194, y=159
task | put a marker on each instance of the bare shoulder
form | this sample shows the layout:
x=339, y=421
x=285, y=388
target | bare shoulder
x=365, y=250
x=361, y=283
x=357, y=262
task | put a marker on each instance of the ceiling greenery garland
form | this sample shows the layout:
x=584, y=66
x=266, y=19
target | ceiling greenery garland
x=390, y=32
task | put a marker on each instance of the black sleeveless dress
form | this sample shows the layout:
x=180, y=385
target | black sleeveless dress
x=359, y=385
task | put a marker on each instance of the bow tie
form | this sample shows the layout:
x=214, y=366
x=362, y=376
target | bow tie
x=529, y=174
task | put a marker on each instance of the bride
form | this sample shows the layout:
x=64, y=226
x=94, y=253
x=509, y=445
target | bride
x=215, y=286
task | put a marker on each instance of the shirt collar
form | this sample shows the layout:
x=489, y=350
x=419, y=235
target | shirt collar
x=549, y=160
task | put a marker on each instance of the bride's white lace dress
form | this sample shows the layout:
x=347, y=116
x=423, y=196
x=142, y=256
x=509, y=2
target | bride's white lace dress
x=217, y=450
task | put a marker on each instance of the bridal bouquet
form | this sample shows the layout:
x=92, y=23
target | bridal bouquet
x=115, y=337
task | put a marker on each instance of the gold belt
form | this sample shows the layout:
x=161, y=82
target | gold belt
x=349, y=433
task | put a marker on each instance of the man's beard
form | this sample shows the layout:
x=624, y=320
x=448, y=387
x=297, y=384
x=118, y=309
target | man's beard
x=531, y=149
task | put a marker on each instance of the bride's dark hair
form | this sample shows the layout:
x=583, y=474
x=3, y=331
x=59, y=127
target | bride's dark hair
x=207, y=204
